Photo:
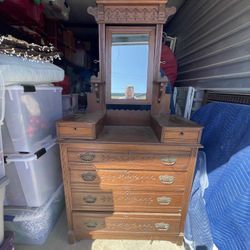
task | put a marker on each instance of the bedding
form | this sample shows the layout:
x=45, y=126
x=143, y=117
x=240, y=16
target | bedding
x=14, y=70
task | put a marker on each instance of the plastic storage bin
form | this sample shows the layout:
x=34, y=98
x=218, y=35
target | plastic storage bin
x=30, y=116
x=32, y=226
x=33, y=177
x=2, y=109
x=3, y=182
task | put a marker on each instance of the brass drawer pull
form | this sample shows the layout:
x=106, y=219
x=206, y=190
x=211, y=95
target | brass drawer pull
x=164, y=200
x=89, y=176
x=87, y=157
x=162, y=226
x=168, y=161
x=89, y=199
x=91, y=224
x=166, y=179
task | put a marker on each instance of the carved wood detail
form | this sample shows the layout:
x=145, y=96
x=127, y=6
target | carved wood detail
x=129, y=177
x=130, y=198
x=109, y=157
x=126, y=2
x=127, y=198
x=106, y=199
x=131, y=14
x=135, y=227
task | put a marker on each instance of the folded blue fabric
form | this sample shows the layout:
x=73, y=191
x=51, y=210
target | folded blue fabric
x=197, y=227
x=228, y=205
x=226, y=141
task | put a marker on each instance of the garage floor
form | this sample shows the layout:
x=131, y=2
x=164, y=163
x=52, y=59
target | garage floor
x=58, y=241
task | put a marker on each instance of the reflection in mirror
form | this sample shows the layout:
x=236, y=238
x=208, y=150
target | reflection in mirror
x=129, y=66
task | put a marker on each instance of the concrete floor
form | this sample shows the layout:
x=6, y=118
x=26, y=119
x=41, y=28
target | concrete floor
x=58, y=241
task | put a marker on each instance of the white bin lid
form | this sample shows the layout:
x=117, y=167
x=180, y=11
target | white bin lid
x=8, y=158
x=33, y=88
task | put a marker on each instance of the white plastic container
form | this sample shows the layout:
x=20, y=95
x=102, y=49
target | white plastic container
x=33, y=177
x=2, y=109
x=3, y=182
x=30, y=116
x=32, y=226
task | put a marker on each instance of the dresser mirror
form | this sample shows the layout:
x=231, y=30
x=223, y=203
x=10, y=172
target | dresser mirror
x=130, y=39
x=129, y=60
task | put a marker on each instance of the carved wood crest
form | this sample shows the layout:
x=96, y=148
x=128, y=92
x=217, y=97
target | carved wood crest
x=151, y=14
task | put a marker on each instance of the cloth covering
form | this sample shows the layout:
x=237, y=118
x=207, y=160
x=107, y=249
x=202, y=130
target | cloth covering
x=226, y=141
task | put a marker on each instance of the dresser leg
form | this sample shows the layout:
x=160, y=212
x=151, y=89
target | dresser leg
x=71, y=237
x=179, y=241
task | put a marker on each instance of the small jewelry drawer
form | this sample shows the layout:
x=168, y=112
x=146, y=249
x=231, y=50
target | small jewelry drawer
x=181, y=136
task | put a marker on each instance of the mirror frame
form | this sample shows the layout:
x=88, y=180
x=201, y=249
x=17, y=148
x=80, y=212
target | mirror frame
x=150, y=31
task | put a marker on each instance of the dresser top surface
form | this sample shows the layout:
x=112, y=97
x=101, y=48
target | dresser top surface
x=163, y=129
x=82, y=119
x=170, y=121
x=140, y=134
x=173, y=121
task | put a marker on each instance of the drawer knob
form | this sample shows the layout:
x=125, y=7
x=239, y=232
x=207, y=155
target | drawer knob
x=89, y=199
x=89, y=176
x=91, y=224
x=168, y=161
x=87, y=157
x=166, y=179
x=162, y=226
x=164, y=200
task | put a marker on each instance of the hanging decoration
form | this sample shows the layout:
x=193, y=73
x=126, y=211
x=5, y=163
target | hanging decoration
x=12, y=46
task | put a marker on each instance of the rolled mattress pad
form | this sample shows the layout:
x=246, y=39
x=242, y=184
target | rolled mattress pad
x=15, y=70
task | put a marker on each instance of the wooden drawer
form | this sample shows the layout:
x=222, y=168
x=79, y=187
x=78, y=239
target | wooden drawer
x=144, y=161
x=85, y=126
x=76, y=132
x=181, y=136
x=127, y=201
x=175, y=129
x=130, y=180
x=126, y=223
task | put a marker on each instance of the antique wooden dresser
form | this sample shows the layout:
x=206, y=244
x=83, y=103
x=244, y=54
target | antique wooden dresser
x=127, y=164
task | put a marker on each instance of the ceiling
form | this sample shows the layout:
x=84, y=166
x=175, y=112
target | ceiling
x=83, y=25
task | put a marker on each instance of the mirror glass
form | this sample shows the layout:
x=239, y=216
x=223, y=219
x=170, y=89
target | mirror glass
x=129, y=66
